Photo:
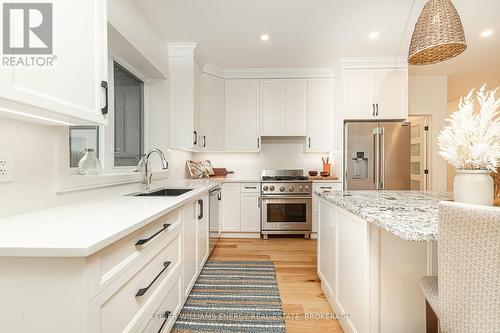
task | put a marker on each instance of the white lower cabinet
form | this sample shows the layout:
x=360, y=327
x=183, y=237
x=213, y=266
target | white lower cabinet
x=137, y=284
x=250, y=207
x=162, y=319
x=189, y=245
x=241, y=208
x=202, y=231
x=321, y=187
x=122, y=306
x=371, y=274
x=231, y=207
x=342, y=265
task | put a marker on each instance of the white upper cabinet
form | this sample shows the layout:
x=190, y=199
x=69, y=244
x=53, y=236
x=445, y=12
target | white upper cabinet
x=186, y=94
x=320, y=115
x=212, y=130
x=283, y=107
x=376, y=93
x=242, y=115
x=391, y=93
x=358, y=94
x=63, y=86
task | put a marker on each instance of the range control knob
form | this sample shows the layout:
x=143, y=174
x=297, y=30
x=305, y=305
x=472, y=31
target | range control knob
x=265, y=188
x=301, y=188
x=271, y=188
x=282, y=188
x=306, y=187
x=291, y=188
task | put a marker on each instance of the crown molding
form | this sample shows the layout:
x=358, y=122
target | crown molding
x=278, y=73
x=181, y=49
x=214, y=70
x=372, y=62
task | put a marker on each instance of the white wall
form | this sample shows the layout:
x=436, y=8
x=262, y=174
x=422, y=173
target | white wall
x=428, y=96
x=276, y=153
x=128, y=17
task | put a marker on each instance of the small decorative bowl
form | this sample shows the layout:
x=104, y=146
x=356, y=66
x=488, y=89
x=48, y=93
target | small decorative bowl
x=313, y=173
x=324, y=174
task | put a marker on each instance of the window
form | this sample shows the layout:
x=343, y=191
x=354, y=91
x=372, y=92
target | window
x=128, y=117
x=81, y=138
x=125, y=134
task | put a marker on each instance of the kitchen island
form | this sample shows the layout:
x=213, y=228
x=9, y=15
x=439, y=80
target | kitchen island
x=373, y=248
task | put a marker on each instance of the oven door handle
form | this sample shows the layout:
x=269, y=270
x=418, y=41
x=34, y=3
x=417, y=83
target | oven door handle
x=285, y=197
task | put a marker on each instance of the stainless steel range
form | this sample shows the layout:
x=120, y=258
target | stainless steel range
x=286, y=202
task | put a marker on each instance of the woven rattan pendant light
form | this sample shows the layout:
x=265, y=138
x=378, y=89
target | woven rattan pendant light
x=438, y=35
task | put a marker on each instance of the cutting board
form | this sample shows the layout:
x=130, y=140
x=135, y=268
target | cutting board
x=324, y=178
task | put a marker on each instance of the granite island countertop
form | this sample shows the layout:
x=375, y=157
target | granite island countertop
x=410, y=215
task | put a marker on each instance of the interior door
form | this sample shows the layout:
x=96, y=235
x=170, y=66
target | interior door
x=395, y=156
x=419, y=152
x=360, y=155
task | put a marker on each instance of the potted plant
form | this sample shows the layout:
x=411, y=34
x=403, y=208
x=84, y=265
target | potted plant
x=471, y=143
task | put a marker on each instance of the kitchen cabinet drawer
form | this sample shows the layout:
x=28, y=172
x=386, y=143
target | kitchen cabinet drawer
x=320, y=186
x=162, y=318
x=108, y=264
x=250, y=187
x=122, y=305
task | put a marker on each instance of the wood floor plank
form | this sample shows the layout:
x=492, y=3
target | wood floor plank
x=295, y=263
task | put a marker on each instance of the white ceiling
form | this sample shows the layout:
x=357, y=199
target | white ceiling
x=313, y=33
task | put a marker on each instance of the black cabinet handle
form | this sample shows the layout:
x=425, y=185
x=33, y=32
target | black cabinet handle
x=200, y=202
x=326, y=187
x=258, y=142
x=376, y=106
x=142, y=291
x=166, y=315
x=195, y=141
x=204, y=141
x=104, y=85
x=373, y=109
x=219, y=196
x=141, y=242
x=250, y=187
x=309, y=139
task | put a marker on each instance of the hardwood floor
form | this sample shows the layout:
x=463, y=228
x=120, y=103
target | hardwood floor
x=295, y=263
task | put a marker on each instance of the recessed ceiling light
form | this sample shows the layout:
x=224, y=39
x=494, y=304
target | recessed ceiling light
x=487, y=33
x=264, y=38
x=373, y=35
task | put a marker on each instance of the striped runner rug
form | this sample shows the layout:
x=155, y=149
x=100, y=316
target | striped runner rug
x=233, y=296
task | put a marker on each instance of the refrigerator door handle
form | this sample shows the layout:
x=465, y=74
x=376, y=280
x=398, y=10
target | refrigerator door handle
x=375, y=162
x=381, y=170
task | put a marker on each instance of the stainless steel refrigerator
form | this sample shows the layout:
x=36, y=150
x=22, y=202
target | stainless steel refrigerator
x=377, y=155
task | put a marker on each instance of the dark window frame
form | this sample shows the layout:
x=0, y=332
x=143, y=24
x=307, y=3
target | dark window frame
x=141, y=116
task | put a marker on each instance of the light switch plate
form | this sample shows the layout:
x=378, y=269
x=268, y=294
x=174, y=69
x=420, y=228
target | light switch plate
x=6, y=167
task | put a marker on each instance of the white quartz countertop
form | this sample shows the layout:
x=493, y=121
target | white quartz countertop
x=410, y=215
x=82, y=229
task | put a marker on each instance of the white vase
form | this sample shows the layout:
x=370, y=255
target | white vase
x=474, y=187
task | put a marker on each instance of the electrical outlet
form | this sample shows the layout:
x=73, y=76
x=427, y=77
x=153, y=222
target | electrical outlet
x=6, y=167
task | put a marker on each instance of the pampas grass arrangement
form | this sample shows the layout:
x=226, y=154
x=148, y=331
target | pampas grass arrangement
x=471, y=141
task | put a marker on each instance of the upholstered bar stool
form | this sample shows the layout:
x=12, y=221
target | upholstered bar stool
x=466, y=297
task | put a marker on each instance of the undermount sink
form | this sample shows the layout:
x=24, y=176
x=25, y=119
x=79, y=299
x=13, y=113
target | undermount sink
x=164, y=192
